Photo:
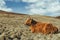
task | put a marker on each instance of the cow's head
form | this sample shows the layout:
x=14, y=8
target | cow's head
x=30, y=21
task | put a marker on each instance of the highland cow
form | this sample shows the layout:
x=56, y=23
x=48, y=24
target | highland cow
x=37, y=27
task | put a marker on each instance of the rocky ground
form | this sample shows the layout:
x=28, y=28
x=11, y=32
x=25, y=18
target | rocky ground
x=13, y=28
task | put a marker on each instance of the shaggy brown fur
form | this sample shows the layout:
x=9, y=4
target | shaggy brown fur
x=37, y=27
x=49, y=28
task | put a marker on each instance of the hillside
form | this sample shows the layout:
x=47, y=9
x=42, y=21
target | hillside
x=4, y=13
x=12, y=27
x=58, y=17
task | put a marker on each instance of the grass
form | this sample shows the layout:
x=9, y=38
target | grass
x=13, y=28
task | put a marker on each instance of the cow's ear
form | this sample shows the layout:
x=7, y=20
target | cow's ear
x=29, y=17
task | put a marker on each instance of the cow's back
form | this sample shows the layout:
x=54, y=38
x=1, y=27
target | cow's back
x=39, y=26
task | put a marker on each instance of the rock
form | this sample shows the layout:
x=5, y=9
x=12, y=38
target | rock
x=13, y=36
x=15, y=39
x=2, y=36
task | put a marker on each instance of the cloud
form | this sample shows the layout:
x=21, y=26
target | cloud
x=4, y=7
x=13, y=0
x=30, y=1
x=44, y=7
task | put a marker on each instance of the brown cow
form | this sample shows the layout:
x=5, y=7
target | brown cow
x=37, y=27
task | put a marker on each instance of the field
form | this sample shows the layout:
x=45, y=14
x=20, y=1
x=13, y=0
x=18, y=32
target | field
x=12, y=27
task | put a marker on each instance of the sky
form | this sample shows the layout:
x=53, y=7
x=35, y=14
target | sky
x=40, y=7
